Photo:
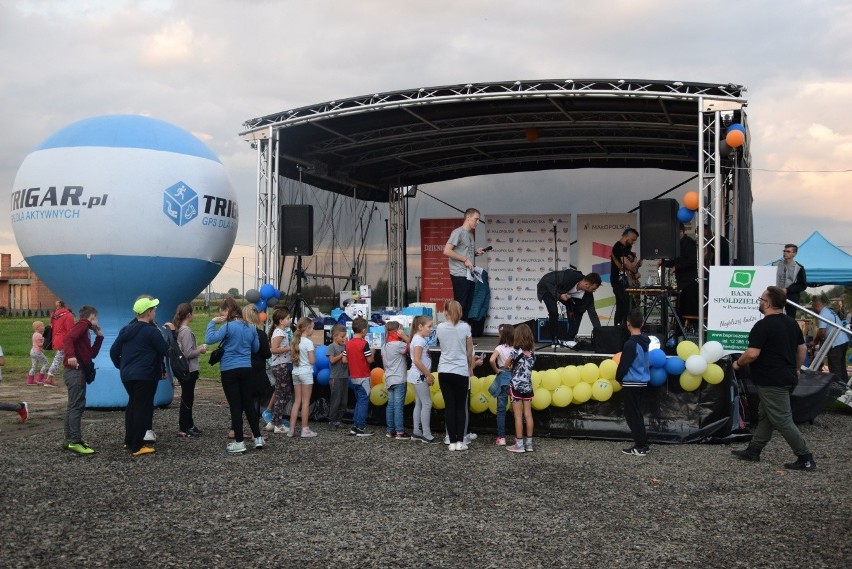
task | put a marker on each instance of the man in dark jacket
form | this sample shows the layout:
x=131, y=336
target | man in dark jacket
x=79, y=356
x=776, y=352
x=139, y=352
x=574, y=290
x=791, y=276
x=686, y=272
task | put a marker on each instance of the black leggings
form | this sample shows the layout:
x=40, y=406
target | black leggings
x=187, y=398
x=139, y=412
x=454, y=388
x=239, y=391
x=633, y=415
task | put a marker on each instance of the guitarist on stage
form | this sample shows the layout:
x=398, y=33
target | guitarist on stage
x=624, y=273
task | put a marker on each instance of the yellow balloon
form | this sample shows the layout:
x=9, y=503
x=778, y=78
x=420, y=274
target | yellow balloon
x=562, y=396
x=601, y=390
x=608, y=369
x=475, y=385
x=435, y=385
x=478, y=403
x=570, y=376
x=536, y=379
x=492, y=403
x=379, y=395
x=486, y=382
x=581, y=393
x=551, y=379
x=541, y=399
x=409, y=394
x=616, y=387
x=687, y=348
x=438, y=400
x=589, y=373
x=690, y=382
x=714, y=374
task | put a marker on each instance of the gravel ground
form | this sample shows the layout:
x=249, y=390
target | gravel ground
x=370, y=502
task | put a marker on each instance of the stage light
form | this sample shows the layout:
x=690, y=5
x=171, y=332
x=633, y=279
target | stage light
x=410, y=191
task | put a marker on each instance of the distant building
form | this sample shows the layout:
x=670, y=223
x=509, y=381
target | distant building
x=21, y=289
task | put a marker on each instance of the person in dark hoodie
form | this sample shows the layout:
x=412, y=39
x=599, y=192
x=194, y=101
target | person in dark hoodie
x=139, y=352
x=634, y=373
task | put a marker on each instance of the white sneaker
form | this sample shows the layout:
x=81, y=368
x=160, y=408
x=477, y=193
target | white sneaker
x=461, y=446
x=569, y=344
x=452, y=446
x=270, y=427
x=236, y=448
x=469, y=437
x=258, y=443
x=280, y=430
x=446, y=439
x=150, y=436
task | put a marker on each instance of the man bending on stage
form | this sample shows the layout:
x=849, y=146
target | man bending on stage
x=577, y=293
x=460, y=251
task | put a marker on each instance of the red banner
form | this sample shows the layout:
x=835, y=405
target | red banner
x=435, y=276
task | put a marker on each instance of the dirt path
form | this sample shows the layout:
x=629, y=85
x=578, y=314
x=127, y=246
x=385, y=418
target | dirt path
x=47, y=406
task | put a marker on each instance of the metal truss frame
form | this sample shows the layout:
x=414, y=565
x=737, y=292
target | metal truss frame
x=266, y=236
x=396, y=247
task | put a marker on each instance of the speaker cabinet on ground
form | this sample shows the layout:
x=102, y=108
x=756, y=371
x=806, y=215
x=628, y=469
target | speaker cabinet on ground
x=658, y=229
x=296, y=226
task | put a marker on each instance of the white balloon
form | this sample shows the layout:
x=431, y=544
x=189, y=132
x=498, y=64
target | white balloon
x=696, y=365
x=655, y=343
x=712, y=351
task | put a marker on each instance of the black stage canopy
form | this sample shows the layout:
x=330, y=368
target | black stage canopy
x=401, y=138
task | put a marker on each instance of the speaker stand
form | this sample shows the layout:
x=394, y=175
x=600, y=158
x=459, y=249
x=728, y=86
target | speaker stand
x=663, y=301
x=299, y=305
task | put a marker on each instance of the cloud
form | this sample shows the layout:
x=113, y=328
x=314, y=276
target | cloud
x=170, y=46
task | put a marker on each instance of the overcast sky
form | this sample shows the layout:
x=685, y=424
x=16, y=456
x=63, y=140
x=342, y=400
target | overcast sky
x=208, y=65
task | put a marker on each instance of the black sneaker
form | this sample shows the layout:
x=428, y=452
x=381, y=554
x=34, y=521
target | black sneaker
x=416, y=437
x=747, y=454
x=194, y=431
x=431, y=441
x=635, y=451
x=360, y=432
x=804, y=462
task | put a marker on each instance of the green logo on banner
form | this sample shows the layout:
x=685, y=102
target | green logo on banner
x=742, y=279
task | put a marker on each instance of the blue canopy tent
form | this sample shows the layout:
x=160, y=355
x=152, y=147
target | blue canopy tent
x=825, y=263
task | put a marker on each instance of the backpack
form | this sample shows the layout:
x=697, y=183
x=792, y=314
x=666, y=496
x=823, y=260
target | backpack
x=177, y=361
x=48, y=338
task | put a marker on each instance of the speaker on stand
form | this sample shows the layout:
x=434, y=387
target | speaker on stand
x=296, y=230
x=659, y=232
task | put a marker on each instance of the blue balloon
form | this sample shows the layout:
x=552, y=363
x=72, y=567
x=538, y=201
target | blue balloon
x=657, y=358
x=261, y=305
x=736, y=126
x=321, y=359
x=267, y=291
x=659, y=377
x=684, y=214
x=675, y=365
x=322, y=376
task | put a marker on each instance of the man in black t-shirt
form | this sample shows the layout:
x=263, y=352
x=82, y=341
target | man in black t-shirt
x=623, y=271
x=776, y=352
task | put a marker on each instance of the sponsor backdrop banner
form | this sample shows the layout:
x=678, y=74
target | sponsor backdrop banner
x=596, y=234
x=435, y=282
x=523, y=253
x=734, y=294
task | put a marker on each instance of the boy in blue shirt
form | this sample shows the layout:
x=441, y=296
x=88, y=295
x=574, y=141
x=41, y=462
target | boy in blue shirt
x=634, y=373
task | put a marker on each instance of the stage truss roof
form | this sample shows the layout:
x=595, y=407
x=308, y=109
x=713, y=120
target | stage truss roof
x=401, y=138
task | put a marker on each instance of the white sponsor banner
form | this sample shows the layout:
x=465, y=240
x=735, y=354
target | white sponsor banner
x=733, y=296
x=596, y=234
x=523, y=253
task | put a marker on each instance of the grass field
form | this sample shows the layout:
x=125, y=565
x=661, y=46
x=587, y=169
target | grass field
x=16, y=334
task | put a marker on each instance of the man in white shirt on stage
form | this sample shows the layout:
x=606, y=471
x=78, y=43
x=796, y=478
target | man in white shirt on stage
x=460, y=250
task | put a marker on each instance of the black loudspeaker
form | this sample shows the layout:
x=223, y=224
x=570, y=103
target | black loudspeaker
x=543, y=329
x=296, y=226
x=609, y=339
x=658, y=229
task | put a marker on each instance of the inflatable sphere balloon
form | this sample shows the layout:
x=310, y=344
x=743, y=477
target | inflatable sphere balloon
x=570, y=376
x=378, y=395
x=736, y=126
x=486, y=382
x=260, y=305
x=616, y=387
x=562, y=396
x=654, y=343
x=735, y=138
x=657, y=358
x=690, y=200
x=475, y=386
x=601, y=390
x=675, y=366
x=536, y=379
x=581, y=393
x=551, y=379
x=608, y=368
x=712, y=351
x=714, y=374
x=689, y=382
x=252, y=295
x=321, y=358
x=112, y=207
x=724, y=149
x=687, y=348
x=262, y=316
x=377, y=376
x=410, y=396
x=659, y=377
x=436, y=385
x=438, y=400
x=541, y=399
x=616, y=357
x=478, y=402
x=271, y=302
x=323, y=376
x=685, y=215
x=267, y=291
x=589, y=373
x=492, y=403
x=696, y=364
